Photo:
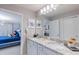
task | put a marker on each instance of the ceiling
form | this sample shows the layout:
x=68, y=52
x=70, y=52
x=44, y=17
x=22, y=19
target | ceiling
x=32, y=7
x=61, y=9
x=64, y=9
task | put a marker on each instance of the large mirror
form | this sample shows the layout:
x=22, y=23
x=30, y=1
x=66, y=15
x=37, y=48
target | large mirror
x=59, y=25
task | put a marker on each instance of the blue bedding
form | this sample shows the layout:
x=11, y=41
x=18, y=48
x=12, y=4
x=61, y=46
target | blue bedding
x=6, y=39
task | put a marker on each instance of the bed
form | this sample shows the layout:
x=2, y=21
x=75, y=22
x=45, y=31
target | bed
x=6, y=41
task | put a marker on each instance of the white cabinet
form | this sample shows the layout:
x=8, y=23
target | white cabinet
x=48, y=51
x=40, y=49
x=31, y=48
x=34, y=48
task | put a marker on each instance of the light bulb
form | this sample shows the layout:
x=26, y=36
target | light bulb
x=41, y=11
x=48, y=7
x=52, y=5
x=44, y=9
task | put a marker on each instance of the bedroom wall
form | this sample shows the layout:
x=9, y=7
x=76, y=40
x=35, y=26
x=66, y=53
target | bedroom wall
x=9, y=23
x=7, y=28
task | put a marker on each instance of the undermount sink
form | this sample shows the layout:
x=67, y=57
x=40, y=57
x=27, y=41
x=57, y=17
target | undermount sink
x=48, y=41
x=51, y=42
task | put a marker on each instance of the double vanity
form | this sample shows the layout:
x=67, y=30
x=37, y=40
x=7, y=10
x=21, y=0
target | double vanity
x=47, y=46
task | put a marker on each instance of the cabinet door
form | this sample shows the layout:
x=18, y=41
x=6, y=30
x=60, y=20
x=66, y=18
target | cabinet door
x=40, y=50
x=31, y=48
x=48, y=51
x=34, y=48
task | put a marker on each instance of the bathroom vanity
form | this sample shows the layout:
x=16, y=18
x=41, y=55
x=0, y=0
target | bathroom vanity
x=42, y=46
x=62, y=29
x=36, y=47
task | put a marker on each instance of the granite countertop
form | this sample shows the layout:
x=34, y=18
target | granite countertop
x=56, y=46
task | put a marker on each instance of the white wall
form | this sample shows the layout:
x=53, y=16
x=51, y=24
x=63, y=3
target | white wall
x=15, y=26
x=7, y=28
x=54, y=28
x=9, y=23
x=69, y=27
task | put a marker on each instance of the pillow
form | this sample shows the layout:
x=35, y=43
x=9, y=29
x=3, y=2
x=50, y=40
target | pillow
x=19, y=31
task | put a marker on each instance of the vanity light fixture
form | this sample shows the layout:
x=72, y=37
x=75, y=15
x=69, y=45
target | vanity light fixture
x=44, y=12
x=47, y=11
x=41, y=11
x=54, y=6
x=48, y=8
x=44, y=9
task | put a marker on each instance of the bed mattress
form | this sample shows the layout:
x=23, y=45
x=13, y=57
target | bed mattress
x=6, y=39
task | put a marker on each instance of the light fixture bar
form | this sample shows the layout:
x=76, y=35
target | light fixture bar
x=48, y=8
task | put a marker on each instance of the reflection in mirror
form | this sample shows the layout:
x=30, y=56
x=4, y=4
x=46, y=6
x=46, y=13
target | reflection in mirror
x=50, y=27
x=54, y=28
